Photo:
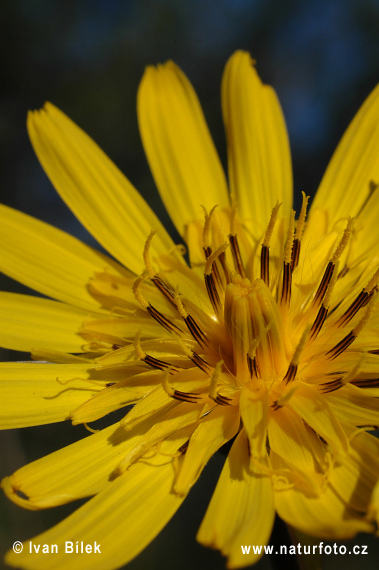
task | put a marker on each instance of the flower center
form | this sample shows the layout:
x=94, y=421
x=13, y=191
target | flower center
x=254, y=325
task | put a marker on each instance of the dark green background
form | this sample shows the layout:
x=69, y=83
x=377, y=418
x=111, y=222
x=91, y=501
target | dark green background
x=87, y=57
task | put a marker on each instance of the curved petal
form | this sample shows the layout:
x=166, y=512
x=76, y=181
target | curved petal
x=178, y=146
x=299, y=447
x=241, y=511
x=326, y=516
x=29, y=322
x=33, y=394
x=121, y=521
x=312, y=407
x=354, y=479
x=49, y=260
x=95, y=190
x=212, y=432
x=259, y=159
x=349, y=186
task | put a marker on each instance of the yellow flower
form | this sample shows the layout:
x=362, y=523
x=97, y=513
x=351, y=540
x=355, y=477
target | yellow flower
x=269, y=335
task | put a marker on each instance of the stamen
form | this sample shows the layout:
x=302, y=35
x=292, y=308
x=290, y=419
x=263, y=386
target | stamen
x=192, y=325
x=236, y=253
x=360, y=301
x=287, y=272
x=210, y=280
x=162, y=320
x=252, y=352
x=161, y=286
x=292, y=369
x=222, y=400
x=335, y=257
x=299, y=232
x=146, y=255
x=336, y=384
x=150, y=360
x=340, y=347
x=177, y=394
x=265, y=252
x=137, y=293
x=206, y=231
x=323, y=310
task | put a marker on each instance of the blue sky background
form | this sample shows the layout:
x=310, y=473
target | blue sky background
x=87, y=57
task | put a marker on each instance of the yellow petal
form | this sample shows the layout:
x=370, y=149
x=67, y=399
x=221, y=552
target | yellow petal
x=178, y=145
x=353, y=405
x=35, y=394
x=345, y=187
x=122, y=519
x=259, y=160
x=49, y=260
x=325, y=516
x=78, y=470
x=31, y=322
x=157, y=423
x=100, y=196
x=354, y=478
x=312, y=407
x=298, y=446
x=123, y=393
x=253, y=408
x=241, y=511
x=216, y=429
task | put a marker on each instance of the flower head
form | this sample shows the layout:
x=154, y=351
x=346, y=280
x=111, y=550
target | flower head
x=268, y=336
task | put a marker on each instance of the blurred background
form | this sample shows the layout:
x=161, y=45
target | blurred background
x=87, y=57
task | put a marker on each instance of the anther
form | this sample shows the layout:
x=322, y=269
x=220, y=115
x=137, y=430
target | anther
x=287, y=272
x=360, y=301
x=335, y=257
x=161, y=286
x=210, y=281
x=192, y=325
x=324, y=308
x=213, y=394
x=341, y=346
x=265, y=251
x=292, y=369
x=177, y=394
x=146, y=255
x=151, y=360
x=206, y=231
x=299, y=232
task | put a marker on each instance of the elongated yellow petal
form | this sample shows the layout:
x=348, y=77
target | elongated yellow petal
x=121, y=394
x=30, y=322
x=345, y=187
x=33, y=394
x=178, y=145
x=49, y=260
x=122, y=520
x=100, y=196
x=241, y=511
x=214, y=430
x=259, y=158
